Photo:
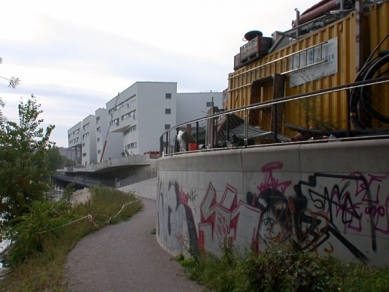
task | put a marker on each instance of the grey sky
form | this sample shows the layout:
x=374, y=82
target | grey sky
x=74, y=56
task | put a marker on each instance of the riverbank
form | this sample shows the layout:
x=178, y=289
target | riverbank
x=43, y=269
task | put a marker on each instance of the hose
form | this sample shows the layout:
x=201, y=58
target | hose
x=360, y=98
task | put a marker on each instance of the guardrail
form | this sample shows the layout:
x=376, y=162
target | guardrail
x=359, y=109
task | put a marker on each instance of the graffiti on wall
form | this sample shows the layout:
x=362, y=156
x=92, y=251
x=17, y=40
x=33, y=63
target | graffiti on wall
x=228, y=219
x=326, y=212
x=341, y=207
x=176, y=225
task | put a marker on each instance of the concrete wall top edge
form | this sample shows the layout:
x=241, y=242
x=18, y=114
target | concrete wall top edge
x=224, y=160
x=346, y=144
x=346, y=156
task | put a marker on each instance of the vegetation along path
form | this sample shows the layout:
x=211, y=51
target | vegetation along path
x=125, y=257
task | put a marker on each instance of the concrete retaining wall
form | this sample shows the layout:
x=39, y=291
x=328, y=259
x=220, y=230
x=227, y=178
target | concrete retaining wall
x=145, y=189
x=329, y=197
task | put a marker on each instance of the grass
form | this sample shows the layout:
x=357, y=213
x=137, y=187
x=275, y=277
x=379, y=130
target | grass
x=41, y=269
x=285, y=268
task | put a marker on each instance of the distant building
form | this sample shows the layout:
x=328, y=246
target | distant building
x=141, y=113
x=107, y=144
x=134, y=120
x=69, y=153
x=74, y=140
x=191, y=106
x=88, y=140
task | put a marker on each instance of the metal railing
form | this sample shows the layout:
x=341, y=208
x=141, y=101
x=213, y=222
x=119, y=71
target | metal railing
x=358, y=109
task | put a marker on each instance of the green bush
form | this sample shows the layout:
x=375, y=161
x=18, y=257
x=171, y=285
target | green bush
x=42, y=238
x=28, y=232
x=284, y=268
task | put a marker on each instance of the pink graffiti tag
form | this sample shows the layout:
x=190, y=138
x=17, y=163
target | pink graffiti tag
x=270, y=182
x=227, y=221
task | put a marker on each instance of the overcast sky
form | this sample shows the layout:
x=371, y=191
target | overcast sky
x=75, y=56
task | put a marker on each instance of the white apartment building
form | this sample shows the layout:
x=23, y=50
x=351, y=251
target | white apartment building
x=88, y=133
x=134, y=120
x=192, y=106
x=108, y=144
x=141, y=113
x=74, y=140
x=69, y=153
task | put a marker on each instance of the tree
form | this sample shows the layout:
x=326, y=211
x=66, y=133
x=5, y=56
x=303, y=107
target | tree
x=13, y=81
x=24, y=172
x=56, y=160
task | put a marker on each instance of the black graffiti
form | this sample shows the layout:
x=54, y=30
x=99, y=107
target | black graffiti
x=191, y=226
x=275, y=225
x=337, y=199
x=314, y=224
x=192, y=195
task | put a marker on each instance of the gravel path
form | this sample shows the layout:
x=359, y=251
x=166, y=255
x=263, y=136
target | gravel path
x=125, y=257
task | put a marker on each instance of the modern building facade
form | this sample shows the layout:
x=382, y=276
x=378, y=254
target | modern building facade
x=141, y=113
x=88, y=140
x=133, y=121
x=107, y=143
x=191, y=106
x=69, y=153
x=74, y=140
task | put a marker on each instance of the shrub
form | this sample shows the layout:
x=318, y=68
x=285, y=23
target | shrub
x=283, y=268
x=28, y=232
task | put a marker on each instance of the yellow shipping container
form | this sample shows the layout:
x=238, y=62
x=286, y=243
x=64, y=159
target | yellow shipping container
x=325, y=58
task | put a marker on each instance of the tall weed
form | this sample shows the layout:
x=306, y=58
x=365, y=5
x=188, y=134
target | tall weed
x=42, y=239
x=284, y=268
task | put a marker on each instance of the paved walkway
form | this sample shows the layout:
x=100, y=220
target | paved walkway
x=125, y=257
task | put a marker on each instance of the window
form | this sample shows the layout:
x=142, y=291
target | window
x=131, y=145
x=98, y=129
x=129, y=130
x=122, y=104
x=168, y=111
x=97, y=120
x=168, y=96
x=167, y=126
x=115, y=122
x=84, y=154
x=129, y=115
x=98, y=139
x=126, y=116
x=98, y=151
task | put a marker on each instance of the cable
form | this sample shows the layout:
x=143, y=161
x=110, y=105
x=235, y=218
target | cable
x=361, y=98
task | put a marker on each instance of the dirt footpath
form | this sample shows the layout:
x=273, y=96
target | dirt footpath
x=125, y=257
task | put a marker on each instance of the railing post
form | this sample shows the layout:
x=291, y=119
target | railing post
x=167, y=141
x=197, y=135
x=176, y=145
x=227, y=130
x=246, y=115
x=348, y=95
x=275, y=123
x=160, y=145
